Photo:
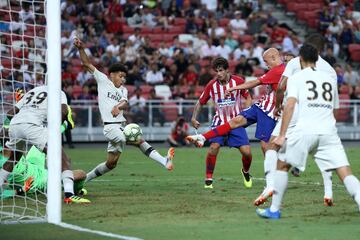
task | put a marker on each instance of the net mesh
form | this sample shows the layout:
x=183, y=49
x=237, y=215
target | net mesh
x=23, y=66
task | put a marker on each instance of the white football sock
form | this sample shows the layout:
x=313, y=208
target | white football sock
x=150, y=152
x=3, y=176
x=327, y=177
x=280, y=184
x=67, y=177
x=352, y=185
x=99, y=170
x=270, y=162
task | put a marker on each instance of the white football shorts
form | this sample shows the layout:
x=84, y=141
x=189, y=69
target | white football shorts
x=23, y=136
x=114, y=134
x=329, y=152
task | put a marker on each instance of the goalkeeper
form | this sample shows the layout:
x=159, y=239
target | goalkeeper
x=30, y=175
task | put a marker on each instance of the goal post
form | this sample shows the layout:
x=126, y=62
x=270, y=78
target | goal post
x=30, y=53
x=53, y=37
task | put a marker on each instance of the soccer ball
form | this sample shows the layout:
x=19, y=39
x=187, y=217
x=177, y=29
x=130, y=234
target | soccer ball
x=132, y=132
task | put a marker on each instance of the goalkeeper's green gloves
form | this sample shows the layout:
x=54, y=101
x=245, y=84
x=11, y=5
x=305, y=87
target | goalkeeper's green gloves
x=69, y=122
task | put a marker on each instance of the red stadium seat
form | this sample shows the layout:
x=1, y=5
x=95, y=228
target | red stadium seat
x=224, y=22
x=355, y=55
x=127, y=29
x=179, y=21
x=353, y=47
x=246, y=38
x=176, y=29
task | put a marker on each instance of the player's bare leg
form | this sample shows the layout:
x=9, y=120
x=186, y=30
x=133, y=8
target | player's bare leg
x=199, y=139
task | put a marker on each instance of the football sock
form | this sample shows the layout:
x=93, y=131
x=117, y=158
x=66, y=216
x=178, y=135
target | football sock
x=246, y=161
x=270, y=167
x=67, y=177
x=3, y=176
x=280, y=184
x=352, y=185
x=150, y=152
x=327, y=177
x=210, y=165
x=97, y=171
x=218, y=131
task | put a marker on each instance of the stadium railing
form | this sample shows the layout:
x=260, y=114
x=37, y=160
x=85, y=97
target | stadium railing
x=159, y=115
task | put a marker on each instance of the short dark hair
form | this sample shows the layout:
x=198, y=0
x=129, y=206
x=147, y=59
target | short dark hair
x=220, y=62
x=317, y=40
x=117, y=67
x=309, y=53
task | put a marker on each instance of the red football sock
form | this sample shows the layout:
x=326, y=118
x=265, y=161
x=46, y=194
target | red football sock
x=218, y=131
x=210, y=165
x=246, y=163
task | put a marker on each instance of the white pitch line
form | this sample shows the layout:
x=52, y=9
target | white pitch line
x=101, y=233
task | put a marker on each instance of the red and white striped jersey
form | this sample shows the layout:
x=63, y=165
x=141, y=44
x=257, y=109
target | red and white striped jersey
x=225, y=107
x=271, y=79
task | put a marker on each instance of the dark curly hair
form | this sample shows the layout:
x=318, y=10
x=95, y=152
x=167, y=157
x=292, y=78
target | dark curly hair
x=117, y=67
x=220, y=62
x=309, y=53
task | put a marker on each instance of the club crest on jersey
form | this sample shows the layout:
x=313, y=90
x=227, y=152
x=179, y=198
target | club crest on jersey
x=115, y=96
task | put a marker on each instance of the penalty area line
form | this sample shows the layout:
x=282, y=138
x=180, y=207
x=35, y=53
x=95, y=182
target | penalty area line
x=101, y=233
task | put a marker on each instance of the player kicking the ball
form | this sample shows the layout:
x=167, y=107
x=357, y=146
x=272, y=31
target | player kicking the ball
x=315, y=93
x=112, y=96
x=226, y=108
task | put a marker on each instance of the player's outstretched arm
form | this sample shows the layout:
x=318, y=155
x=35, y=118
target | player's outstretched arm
x=83, y=56
x=246, y=85
x=194, y=122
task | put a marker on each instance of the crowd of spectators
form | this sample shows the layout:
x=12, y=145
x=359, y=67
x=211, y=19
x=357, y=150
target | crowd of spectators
x=169, y=42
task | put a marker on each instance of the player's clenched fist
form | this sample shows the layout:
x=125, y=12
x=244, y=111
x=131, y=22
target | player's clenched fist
x=78, y=43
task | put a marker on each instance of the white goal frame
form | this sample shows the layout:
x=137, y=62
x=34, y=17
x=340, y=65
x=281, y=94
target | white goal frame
x=53, y=60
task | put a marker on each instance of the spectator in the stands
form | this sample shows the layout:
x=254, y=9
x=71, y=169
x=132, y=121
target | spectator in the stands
x=173, y=11
x=288, y=44
x=68, y=7
x=136, y=19
x=208, y=50
x=238, y=25
x=288, y=56
x=224, y=50
x=107, y=59
x=230, y=41
x=172, y=76
x=114, y=46
x=179, y=132
x=158, y=116
x=138, y=108
x=215, y=31
x=329, y=56
x=340, y=74
x=191, y=27
x=243, y=68
x=346, y=37
x=325, y=18
x=154, y=76
x=85, y=94
x=351, y=77
x=134, y=77
x=181, y=62
x=175, y=48
x=130, y=52
x=211, y=5
x=205, y=76
x=190, y=77
x=26, y=14
x=83, y=76
x=241, y=51
x=96, y=7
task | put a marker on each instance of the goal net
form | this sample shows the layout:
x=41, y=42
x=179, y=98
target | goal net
x=23, y=53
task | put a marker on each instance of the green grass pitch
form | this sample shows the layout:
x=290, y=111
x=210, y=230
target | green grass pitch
x=142, y=199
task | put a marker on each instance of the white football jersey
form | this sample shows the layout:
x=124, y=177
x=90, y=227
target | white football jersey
x=109, y=96
x=316, y=96
x=33, y=107
x=294, y=66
